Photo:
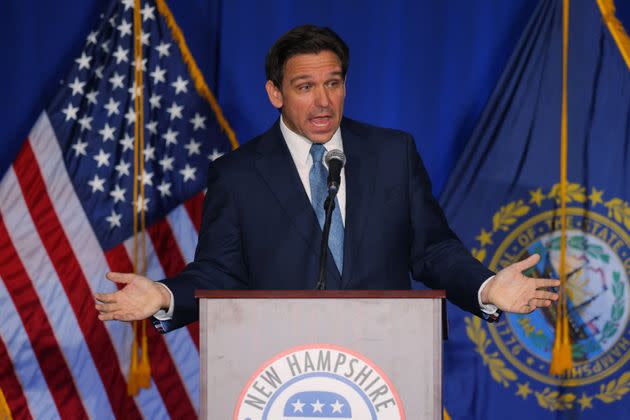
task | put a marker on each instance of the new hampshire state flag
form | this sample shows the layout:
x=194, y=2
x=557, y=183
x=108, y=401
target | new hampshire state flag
x=503, y=200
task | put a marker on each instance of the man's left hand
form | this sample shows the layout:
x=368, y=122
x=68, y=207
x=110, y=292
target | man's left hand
x=511, y=291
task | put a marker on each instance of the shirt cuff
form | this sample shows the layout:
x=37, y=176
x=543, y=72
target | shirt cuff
x=163, y=315
x=487, y=309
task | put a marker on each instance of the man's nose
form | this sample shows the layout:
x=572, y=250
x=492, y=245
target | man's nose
x=321, y=97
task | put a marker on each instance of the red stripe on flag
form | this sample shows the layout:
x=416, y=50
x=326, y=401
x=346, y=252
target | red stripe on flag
x=171, y=259
x=194, y=207
x=163, y=370
x=40, y=333
x=11, y=386
x=74, y=282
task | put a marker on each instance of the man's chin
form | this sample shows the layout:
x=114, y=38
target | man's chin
x=321, y=135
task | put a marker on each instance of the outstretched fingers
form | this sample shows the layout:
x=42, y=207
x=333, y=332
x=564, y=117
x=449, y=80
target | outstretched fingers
x=527, y=263
x=544, y=283
x=539, y=303
x=106, y=297
x=123, y=278
x=544, y=295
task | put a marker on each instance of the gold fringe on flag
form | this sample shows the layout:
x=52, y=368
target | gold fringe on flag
x=5, y=411
x=561, y=356
x=445, y=414
x=618, y=32
x=195, y=73
x=139, y=371
x=144, y=368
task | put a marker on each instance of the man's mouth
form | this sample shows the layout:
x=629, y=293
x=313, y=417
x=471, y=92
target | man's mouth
x=321, y=121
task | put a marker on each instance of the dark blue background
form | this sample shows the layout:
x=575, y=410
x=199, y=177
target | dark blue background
x=427, y=67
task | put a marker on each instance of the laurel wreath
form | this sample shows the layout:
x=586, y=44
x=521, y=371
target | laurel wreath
x=502, y=220
x=575, y=192
x=498, y=370
x=619, y=210
x=615, y=389
x=617, y=309
x=554, y=400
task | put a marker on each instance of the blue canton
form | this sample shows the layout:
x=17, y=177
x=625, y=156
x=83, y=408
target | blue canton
x=93, y=119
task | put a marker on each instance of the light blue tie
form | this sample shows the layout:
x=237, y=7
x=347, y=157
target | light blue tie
x=319, y=191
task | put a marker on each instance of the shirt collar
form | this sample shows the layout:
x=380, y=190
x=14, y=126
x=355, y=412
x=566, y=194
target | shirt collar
x=300, y=146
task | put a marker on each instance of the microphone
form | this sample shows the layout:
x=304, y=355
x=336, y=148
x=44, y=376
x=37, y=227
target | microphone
x=335, y=160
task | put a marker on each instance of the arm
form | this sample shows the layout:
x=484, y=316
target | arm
x=440, y=260
x=437, y=256
x=218, y=264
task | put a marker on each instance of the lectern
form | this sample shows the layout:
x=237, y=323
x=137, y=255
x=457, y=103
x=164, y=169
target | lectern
x=281, y=355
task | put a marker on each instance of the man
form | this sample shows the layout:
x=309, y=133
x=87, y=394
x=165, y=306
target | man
x=263, y=211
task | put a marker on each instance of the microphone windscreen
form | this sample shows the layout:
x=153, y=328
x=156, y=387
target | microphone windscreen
x=335, y=154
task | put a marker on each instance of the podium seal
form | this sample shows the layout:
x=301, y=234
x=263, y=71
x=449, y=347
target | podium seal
x=319, y=381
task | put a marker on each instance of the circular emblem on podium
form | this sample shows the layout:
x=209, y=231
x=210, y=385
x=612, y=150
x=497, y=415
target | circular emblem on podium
x=319, y=381
x=598, y=302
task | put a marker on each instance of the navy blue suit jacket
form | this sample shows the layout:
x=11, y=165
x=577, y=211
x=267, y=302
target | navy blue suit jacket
x=259, y=230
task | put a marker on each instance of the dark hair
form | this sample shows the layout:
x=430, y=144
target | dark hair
x=305, y=39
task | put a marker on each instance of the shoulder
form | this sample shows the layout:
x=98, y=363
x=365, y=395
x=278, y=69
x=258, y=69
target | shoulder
x=371, y=136
x=242, y=159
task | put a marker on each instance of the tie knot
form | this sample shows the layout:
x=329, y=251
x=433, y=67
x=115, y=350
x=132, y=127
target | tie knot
x=317, y=152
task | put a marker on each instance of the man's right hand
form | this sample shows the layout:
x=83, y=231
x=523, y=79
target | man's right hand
x=139, y=299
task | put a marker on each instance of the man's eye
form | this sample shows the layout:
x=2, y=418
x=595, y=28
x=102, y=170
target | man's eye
x=305, y=87
x=334, y=83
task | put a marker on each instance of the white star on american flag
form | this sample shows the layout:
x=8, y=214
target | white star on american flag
x=147, y=12
x=79, y=148
x=170, y=137
x=198, y=122
x=102, y=158
x=114, y=219
x=122, y=168
x=162, y=48
x=188, y=173
x=118, y=194
x=193, y=147
x=76, y=86
x=97, y=184
x=107, y=132
x=180, y=85
x=112, y=107
x=124, y=28
x=117, y=81
x=70, y=112
x=175, y=111
x=158, y=75
x=83, y=61
x=121, y=55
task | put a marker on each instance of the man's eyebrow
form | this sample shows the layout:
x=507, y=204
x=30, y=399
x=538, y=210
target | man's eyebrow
x=301, y=77
x=308, y=77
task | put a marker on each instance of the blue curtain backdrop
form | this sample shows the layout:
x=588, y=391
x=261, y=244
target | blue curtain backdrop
x=427, y=67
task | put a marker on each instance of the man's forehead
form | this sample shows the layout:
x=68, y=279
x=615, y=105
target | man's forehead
x=308, y=65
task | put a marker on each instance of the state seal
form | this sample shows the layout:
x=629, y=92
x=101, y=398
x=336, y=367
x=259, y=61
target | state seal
x=597, y=267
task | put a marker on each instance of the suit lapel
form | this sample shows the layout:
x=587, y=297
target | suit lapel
x=360, y=179
x=276, y=167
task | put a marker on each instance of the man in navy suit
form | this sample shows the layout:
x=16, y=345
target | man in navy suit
x=262, y=219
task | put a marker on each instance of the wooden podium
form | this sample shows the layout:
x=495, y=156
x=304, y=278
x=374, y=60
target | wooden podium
x=280, y=355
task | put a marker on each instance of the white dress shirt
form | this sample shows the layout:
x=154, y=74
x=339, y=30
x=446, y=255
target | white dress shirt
x=299, y=148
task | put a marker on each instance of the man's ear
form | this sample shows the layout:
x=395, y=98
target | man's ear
x=274, y=94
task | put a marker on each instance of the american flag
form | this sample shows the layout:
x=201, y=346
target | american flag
x=66, y=207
